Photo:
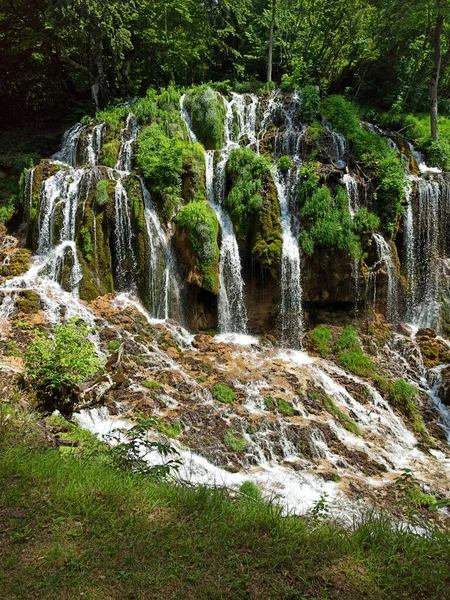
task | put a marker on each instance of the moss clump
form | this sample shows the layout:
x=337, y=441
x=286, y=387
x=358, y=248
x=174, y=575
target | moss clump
x=86, y=244
x=207, y=113
x=321, y=338
x=28, y=302
x=250, y=489
x=223, y=393
x=234, y=441
x=351, y=355
x=269, y=403
x=103, y=192
x=344, y=419
x=200, y=222
x=19, y=262
x=285, y=407
x=109, y=154
x=152, y=385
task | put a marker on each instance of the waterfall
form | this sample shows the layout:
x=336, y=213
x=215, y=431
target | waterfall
x=353, y=194
x=426, y=247
x=69, y=146
x=125, y=257
x=386, y=258
x=94, y=144
x=128, y=136
x=232, y=313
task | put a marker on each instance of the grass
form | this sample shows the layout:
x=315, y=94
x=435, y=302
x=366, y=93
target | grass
x=357, y=362
x=321, y=338
x=72, y=526
x=223, y=393
x=234, y=441
x=344, y=419
x=152, y=385
x=285, y=408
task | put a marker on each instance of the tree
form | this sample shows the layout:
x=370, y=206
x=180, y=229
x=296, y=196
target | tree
x=272, y=27
x=436, y=74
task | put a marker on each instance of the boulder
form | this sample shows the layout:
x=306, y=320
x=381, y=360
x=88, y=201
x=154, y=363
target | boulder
x=444, y=390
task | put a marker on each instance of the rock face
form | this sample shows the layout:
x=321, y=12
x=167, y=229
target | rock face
x=444, y=390
x=434, y=351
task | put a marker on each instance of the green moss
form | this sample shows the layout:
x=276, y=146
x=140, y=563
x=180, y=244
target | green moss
x=152, y=385
x=269, y=403
x=250, y=489
x=207, y=113
x=285, y=407
x=266, y=240
x=223, y=393
x=200, y=222
x=103, y=192
x=284, y=163
x=344, y=419
x=234, y=441
x=109, y=154
x=28, y=302
x=18, y=264
x=113, y=345
x=86, y=243
x=357, y=362
x=348, y=340
x=321, y=339
x=171, y=430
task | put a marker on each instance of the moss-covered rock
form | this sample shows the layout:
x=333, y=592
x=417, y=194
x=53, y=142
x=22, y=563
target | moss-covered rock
x=109, y=153
x=196, y=240
x=207, y=112
x=28, y=302
x=18, y=263
x=266, y=239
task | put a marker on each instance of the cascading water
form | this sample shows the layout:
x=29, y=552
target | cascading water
x=128, y=137
x=426, y=247
x=386, y=258
x=353, y=194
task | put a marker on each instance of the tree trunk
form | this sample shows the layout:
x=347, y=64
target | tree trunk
x=435, y=78
x=272, y=27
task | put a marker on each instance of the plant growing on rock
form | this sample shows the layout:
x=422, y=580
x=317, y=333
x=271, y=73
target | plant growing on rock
x=223, y=393
x=284, y=163
x=234, y=441
x=207, y=112
x=56, y=365
x=321, y=339
x=285, y=407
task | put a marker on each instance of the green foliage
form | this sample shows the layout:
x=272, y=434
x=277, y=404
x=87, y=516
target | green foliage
x=321, y=509
x=133, y=454
x=223, y=393
x=321, y=338
x=438, y=153
x=152, y=385
x=284, y=163
x=114, y=118
x=145, y=110
x=171, y=430
x=246, y=171
x=347, y=340
x=327, y=221
x=113, y=345
x=310, y=103
x=403, y=396
x=160, y=159
x=344, y=419
x=200, y=222
x=109, y=154
x=357, y=362
x=285, y=407
x=102, y=192
x=207, y=113
x=376, y=155
x=365, y=221
x=234, y=441
x=269, y=403
x=251, y=490
x=57, y=365
x=11, y=349
x=86, y=243
x=194, y=163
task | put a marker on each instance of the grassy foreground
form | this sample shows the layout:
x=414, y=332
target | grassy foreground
x=72, y=526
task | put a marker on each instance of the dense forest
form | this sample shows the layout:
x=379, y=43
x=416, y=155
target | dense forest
x=59, y=54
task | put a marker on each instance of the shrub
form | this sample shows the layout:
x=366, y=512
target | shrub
x=310, y=103
x=285, y=407
x=284, y=163
x=246, y=171
x=234, y=441
x=109, y=154
x=145, y=110
x=55, y=366
x=348, y=340
x=342, y=114
x=250, y=489
x=200, y=222
x=207, y=112
x=321, y=337
x=223, y=393
x=160, y=159
x=357, y=362
x=102, y=192
x=438, y=153
x=113, y=345
x=113, y=117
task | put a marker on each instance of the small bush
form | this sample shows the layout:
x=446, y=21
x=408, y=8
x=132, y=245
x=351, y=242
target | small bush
x=310, y=103
x=285, y=408
x=207, y=112
x=321, y=338
x=223, y=393
x=113, y=345
x=284, y=163
x=234, y=441
x=250, y=489
x=160, y=159
x=145, y=110
x=357, y=362
x=109, y=154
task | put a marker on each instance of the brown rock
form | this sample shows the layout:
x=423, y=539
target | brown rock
x=444, y=390
x=426, y=333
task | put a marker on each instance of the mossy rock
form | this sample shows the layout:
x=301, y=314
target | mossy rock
x=266, y=240
x=109, y=154
x=28, y=302
x=207, y=112
x=19, y=263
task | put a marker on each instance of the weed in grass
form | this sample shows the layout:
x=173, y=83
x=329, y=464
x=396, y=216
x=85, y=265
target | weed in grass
x=223, y=393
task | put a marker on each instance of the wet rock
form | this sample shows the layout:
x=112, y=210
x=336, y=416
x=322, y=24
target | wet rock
x=426, y=333
x=434, y=351
x=444, y=390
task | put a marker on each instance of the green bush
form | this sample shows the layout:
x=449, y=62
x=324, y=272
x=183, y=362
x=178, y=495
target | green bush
x=310, y=103
x=145, y=110
x=250, y=489
x=321, y=338
x=342, y=114
x=109, y=154
x=207, y=112
x=200, y=222
x=438, y=153
x=357, y=362
x=234, y=441
x=102, y=192
x=284, y=163
x=285, y=407
x=113, y=345
x=223, y=393
x=114, y=118
x=246, y=171
x=55, y=366
x=160, y=159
